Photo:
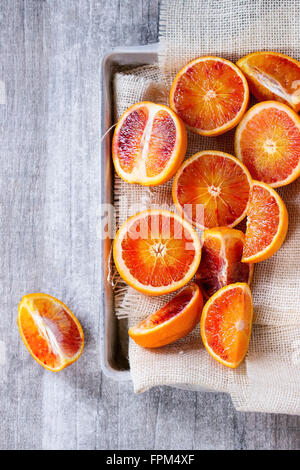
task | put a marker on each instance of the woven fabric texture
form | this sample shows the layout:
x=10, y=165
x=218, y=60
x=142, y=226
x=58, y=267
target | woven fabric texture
x=269, y=378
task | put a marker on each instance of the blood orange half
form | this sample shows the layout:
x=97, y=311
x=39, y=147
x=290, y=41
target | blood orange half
x=226, y=324
x=210, y=94
x=221, y=260
x=267, y=223
x=149, y=144
x=211, y=189
x=267, y=141
x=273, y=76
x=50, y=331
x=156, y=252
x=171, y=322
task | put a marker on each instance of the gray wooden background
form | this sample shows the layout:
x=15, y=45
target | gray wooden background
x=50, y=52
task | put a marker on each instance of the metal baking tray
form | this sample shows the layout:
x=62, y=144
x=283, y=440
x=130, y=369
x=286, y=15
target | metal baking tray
x=114, y=361
x=114, y=352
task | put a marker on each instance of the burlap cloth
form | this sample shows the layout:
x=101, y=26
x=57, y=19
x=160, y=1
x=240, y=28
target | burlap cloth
x=269, y=378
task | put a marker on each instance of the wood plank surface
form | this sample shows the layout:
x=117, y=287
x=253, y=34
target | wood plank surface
x=50, y=52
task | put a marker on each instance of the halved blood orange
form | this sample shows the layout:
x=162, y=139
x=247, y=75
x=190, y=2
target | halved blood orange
x=149, y=144
x=267, y=223
x=273, y=76
x=156, y=252
x=226, y=324
x=171, y=322
x=221, y=264
x=210, y=94
x=50, y=331
x=267, y=141
x=212, y=189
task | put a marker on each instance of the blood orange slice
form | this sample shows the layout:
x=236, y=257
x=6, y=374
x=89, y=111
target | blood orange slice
x=221, y=264
x=210, y=94
x=212, y=189
x=267, y=141
x=226, y=324
x=267, y=223
x=171, y=322
x=156, y=252
x=149, y=144
x=273, y=76
x=50, y=331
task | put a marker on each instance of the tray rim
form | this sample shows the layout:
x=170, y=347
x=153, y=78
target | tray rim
x=134, y=55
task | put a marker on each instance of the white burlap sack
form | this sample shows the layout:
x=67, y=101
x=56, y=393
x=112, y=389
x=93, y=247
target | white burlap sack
x=269, y=379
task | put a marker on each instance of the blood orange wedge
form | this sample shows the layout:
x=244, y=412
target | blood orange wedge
x=212, y=189
x=50, y=331
x=267, y=223
x=273, y=76
x=149, y=144
x=210, y=94
x=221, y=264
x=171, y=322
x=226, y=324
x=267, y=141
x=156, y=252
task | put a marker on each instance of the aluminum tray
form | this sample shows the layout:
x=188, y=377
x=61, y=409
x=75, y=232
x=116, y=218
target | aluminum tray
x=114, y=362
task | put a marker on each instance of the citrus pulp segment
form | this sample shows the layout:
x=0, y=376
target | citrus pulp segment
x=210, y=94
x=267, y=141
x=171, y=322
x=156, y=251
x=149, y=144
x=211, y=189
x=272, y=76
x=226, y=324
x=267, y=223
x=221, y=264
x=50, y=331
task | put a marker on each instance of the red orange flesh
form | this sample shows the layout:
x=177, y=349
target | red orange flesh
x=149, y=144
x=171, y=322
x=226, y=324
x=267, y=223
x=273, y=76
x=156, y=252
x=50, y=331
x=210, y=94
x=221, y=264
x=212, y=189
x=267, y=141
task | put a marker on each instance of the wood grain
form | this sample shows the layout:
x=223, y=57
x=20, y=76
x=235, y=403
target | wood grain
x=50, y=187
